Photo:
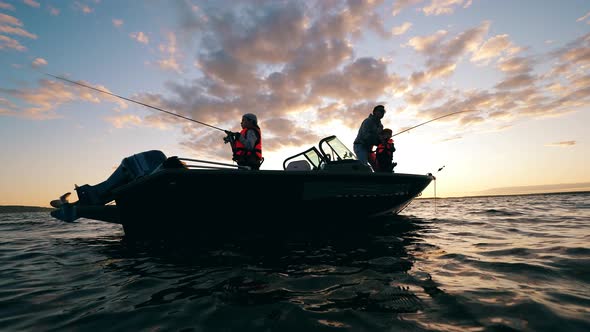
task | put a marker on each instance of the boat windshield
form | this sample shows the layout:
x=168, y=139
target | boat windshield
x=313, y=157
x=331, y=149
x=310, y=157
x=334, y=150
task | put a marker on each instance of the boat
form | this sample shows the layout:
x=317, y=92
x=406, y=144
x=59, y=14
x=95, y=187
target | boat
x=324, y=186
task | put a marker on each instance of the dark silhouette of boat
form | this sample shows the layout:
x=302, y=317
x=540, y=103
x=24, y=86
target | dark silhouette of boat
x=319, y=187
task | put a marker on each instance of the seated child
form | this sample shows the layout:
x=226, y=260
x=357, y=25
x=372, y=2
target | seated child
x=383, y=156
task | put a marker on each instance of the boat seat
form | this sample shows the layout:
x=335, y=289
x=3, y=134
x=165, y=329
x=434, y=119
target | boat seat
x=298, y=165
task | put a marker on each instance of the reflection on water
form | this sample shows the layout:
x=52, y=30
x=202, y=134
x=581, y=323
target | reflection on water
x=481, y=264
x=364, y=270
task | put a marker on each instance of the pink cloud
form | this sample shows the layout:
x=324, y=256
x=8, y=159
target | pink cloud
x=140, y=37
x=6, y=6
x=44, y=100
x=53, y=11
x=32, y=3
x=444, y=7
x=399, y=5
x=39, y=62
x=7, y=19
x=117, y=22
x=562, y=144
x=9, y=43
x=494, y=47
x=400, y=30
x=16, y=31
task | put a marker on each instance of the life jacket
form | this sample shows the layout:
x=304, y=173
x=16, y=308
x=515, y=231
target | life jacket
x=241, y=154
x=387, y=148
x=383, y=157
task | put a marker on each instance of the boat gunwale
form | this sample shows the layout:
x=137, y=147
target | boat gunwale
x=351, y=175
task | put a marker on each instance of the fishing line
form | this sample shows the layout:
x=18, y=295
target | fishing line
x=423, y=123
x=440, y=169
x=133, y=101
x=435, y=197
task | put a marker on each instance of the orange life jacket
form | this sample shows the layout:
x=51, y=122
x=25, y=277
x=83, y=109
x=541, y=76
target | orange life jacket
x=382, y=158
x=386, y=148
x=241, y=153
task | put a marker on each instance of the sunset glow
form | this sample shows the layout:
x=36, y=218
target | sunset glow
x=307, y=69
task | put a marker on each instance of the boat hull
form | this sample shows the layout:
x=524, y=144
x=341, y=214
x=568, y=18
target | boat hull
x=189, y=202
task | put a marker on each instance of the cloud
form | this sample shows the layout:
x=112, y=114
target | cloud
x=140, y=37
x=494, y=47
x=39, y=62
x=312, y=61
x=576, y=53
x=11, y=20
x=442, y=53
x=50, y=94
x=427, y=44
x=399, y=5
x=224, y=67
x=471, y=119
x=580, y=81
x=53, y=11
x=6, y=102
x=243, y=70
x=517, y=82
x=83, y=7
x=562, y=144
x=422, y=77
x=117, y=23
x=567, y=79
x=515, y=65
x=9, y=43
x=498, y=108
x=400, y=30
x=444, y=7
x=44, y=99
x=315, y=76
x=124, y=121
x=6, y=6
x=451, y=138
x=170, y=53
x=32, y=3
x=583, y=18
x=426, y=97
x=276, y=26
x=16, y=31
x=13, y=26
x=467, y=41
x=131, y=120
x=6, y=112
x=364, y=78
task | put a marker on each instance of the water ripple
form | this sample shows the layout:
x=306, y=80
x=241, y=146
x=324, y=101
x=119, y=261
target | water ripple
x=517, y=263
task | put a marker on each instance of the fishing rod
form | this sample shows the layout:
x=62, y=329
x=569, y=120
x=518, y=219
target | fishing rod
x=134, y=101
x=423, y=123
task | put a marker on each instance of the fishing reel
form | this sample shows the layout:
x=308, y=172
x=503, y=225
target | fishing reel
x=231, y=137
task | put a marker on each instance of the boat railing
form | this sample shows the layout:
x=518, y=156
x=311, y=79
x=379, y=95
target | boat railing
x=206, y=164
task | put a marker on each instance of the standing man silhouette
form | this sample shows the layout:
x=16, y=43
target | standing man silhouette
x=368, y=134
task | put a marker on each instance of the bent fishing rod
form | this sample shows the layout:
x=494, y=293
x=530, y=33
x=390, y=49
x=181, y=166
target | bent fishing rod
x=133, y=101
x=423, y=123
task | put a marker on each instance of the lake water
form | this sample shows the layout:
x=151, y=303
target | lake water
x=505, y=263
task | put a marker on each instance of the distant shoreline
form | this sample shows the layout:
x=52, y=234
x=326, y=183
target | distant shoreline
x=525, y=194
x=22, y=208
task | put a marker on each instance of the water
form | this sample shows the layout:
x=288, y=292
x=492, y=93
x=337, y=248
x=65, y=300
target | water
x=511, y=263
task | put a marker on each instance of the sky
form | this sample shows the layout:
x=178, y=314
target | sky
x=518, y=70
